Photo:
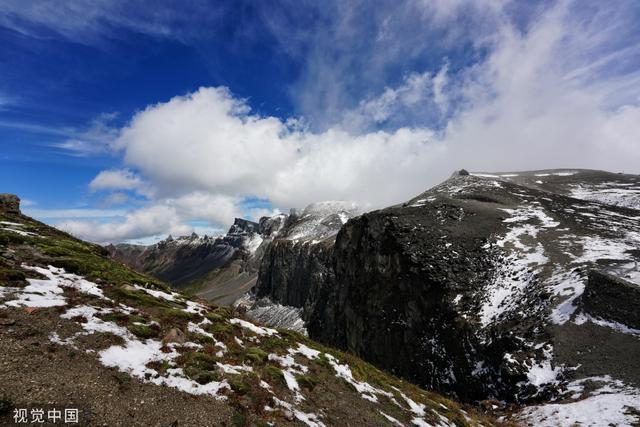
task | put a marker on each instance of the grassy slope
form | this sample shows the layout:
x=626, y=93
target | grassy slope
x=333, y=398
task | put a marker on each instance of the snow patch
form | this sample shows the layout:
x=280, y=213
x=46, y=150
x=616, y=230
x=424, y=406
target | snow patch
x=259, y=330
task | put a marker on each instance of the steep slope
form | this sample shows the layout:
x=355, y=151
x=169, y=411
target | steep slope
x=475, y=288
x=81, y=331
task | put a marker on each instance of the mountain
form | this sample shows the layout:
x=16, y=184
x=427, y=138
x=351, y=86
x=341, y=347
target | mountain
x=218, y=268
x=520, y=287
x=79, y=330
x=224, y=268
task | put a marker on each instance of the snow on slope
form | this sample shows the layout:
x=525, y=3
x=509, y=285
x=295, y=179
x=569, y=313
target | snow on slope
x=550, y=243
x=140, y=358
x=612, y=403
x=612, y=193
x=320, y=220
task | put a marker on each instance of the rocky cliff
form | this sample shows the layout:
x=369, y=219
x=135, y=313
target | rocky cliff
x=295, y=272
x=475, y=287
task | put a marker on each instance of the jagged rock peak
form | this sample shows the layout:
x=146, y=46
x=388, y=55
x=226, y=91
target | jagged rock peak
x=271, y=225
x=241, y=226
x=9, y=203
x=319, y=220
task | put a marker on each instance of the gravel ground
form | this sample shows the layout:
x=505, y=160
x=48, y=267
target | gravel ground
x=36, y=373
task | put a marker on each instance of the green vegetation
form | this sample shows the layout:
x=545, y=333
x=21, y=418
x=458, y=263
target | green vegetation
x=255, y=355
x=239, y=385
x=219, y=314
x=201, y=338
x=221, y=330
x=171, y=314
x=201, y=376
x=11, y=275
x=307, y=381
x=143, y=331
x=122, y=318
x=200, y=360
x=239, y=419
x=272, y=372
x=131, y=294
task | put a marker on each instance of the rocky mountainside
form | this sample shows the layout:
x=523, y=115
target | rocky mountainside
x=81, y=331
x=515, y=286
x=223, y=269
x=219, y=268
x=293, y=265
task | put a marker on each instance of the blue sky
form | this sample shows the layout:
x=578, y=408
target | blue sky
x=123, y=122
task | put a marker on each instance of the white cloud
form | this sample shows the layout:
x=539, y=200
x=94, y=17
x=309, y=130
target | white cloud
x=120, y=179
x=206, y=141
x=114, y=199
x=137, y=224
x=217, y=209
x=97, y=138
x=546, y=94
x=209, y=142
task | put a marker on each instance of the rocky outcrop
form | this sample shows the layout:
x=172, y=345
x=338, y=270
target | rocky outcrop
x=612, y=298
x=9, y=204
x=296, y=272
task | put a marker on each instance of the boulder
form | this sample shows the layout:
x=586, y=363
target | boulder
x=174, y=335
x=10, y=204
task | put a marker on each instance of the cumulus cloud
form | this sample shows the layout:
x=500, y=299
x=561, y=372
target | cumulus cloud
x=137, y=224
x=555, y=91
x=120, y=179
x=163, y=216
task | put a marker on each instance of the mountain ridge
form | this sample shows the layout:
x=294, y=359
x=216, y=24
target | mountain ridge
x=485, y=266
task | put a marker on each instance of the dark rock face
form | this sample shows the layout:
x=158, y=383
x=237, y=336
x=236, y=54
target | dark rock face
x=296, y=270
x=389, y=284
x=461, y=172
x=472, y=287
x=10, y=204
x=293, y=272
x=612, y=298
x=396, y=286
x=271, y=225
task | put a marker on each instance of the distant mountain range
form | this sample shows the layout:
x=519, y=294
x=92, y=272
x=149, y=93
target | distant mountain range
x=224, y=268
